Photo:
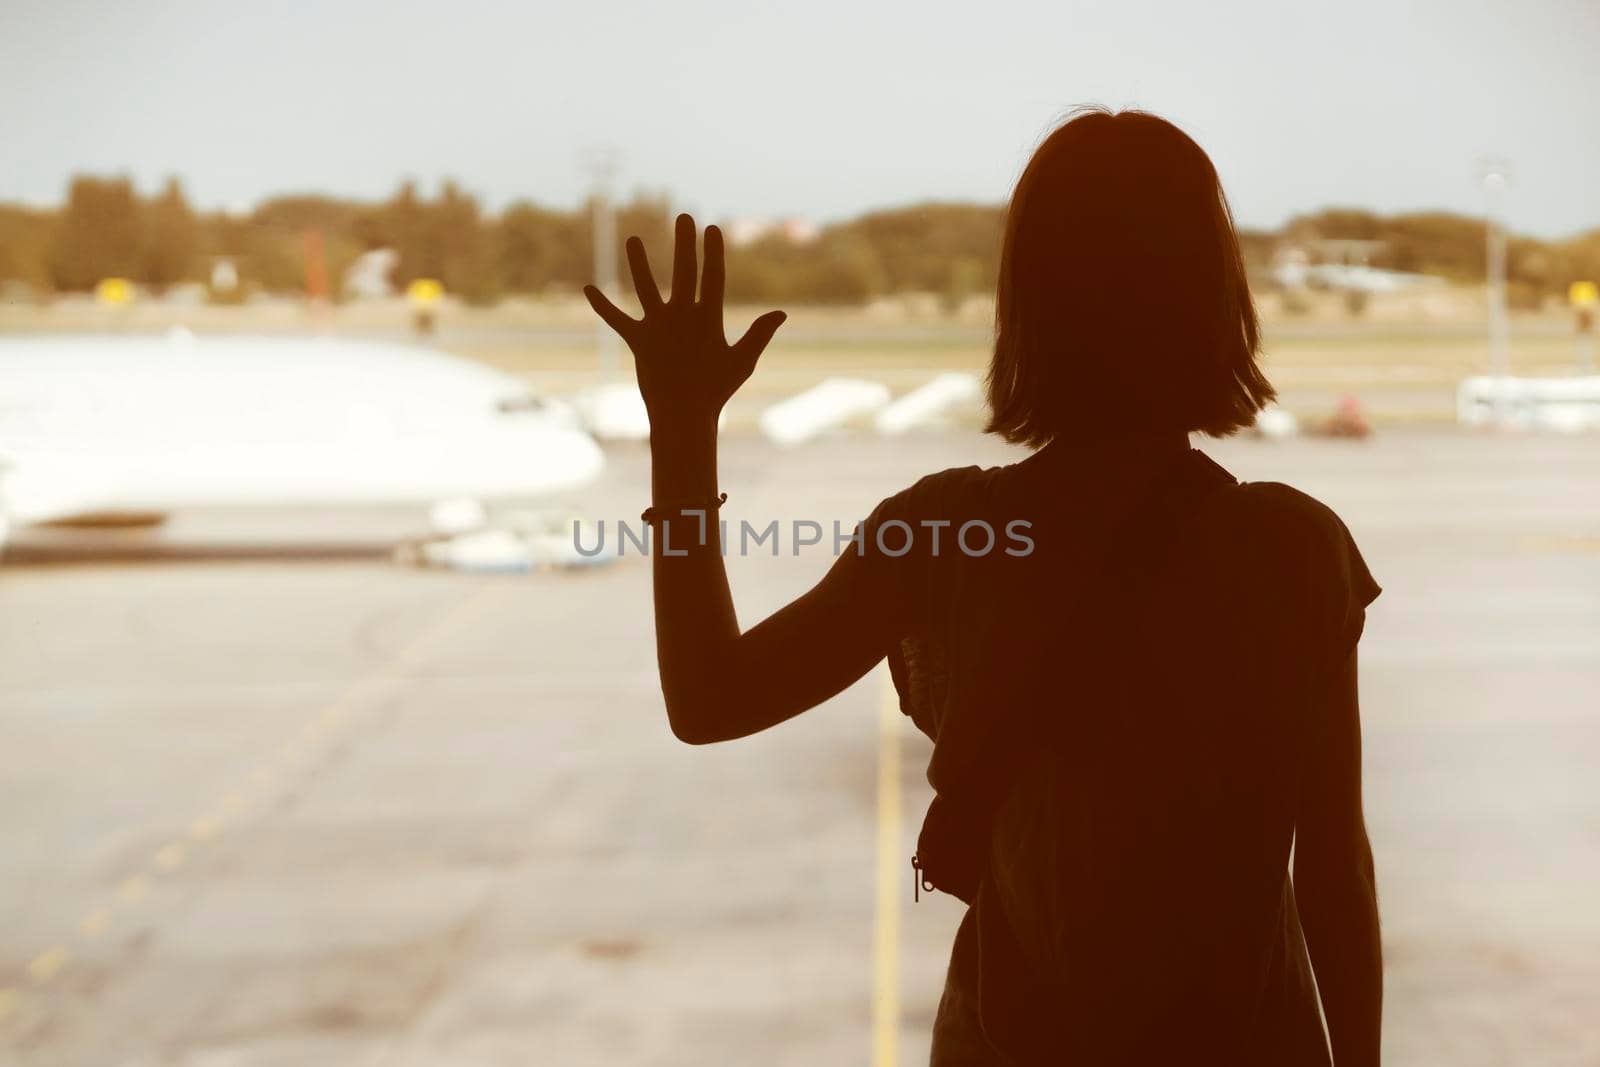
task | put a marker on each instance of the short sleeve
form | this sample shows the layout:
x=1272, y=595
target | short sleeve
x=882, y=566
x=898, y=578
x=1353, y=588
x=894, y=568
x=1322, y=582
x=1361, y=590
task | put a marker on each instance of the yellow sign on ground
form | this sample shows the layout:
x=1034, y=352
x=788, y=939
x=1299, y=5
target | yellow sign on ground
x=1583, y=294
x=425, y=292
x=114, y=292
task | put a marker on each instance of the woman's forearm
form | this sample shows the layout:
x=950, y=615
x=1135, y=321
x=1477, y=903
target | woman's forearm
x=696, y=626
x=1334, y=880
x=1339, y=913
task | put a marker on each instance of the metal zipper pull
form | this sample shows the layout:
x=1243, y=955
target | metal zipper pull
x=919, y=883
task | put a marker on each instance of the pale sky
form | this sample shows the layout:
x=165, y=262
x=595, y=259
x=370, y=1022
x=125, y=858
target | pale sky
x=822, y=108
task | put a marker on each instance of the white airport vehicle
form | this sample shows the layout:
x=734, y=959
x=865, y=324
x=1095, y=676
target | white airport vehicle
x=1564, y=405
x=826, y=406
x=930, y=404
x=125, y=430
x=1274, y=422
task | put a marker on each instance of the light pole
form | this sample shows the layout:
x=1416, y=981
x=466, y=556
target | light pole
x=1496, y=174
x=602, y=165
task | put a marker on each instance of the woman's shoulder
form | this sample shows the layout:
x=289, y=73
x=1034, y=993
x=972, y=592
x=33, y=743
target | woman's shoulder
x=946, y=493
x=1290, y=517
x=1277, y=502
x=1274, y=522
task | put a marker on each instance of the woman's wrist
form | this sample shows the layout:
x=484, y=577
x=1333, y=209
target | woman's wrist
x=681, y=429
x=683, y=460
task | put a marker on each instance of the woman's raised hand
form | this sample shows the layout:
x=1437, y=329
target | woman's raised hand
x=687, y=370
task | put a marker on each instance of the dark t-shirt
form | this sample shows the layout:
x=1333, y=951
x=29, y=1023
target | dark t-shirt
x=1132, y=666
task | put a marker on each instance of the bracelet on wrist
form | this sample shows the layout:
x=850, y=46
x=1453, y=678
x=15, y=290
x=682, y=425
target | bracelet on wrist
x=657, y=513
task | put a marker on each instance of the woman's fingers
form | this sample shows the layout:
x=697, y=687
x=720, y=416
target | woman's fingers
x=644, y=283
x=749, y=347
x=684, y=273
x=613, y=315
x=712, y=277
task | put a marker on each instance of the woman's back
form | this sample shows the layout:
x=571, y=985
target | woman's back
x=1135, y=694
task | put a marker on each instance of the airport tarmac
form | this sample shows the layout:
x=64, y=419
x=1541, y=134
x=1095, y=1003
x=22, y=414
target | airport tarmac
x=313, y=807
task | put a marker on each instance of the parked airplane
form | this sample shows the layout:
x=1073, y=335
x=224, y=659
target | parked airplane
x=1349, y=277
x=127, y=429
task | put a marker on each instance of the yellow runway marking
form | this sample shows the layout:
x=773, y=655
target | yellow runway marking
x=95, y=922
x=133, y=887
x=886, y=908
x=1574, y=543
x=348, y=709
x=47, y=964
x=448, y=623
x=360, y=699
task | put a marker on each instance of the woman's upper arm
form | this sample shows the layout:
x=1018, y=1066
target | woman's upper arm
x=811, y=649
x=1330, y=832
x=1332, y=829
x=821, y=643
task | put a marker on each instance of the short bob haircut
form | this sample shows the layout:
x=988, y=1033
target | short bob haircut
x=1122, y=304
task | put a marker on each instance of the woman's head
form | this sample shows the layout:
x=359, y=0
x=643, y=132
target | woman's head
x=1122, y=303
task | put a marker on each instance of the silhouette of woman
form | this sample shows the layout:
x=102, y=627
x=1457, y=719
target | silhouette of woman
x=1138, y=672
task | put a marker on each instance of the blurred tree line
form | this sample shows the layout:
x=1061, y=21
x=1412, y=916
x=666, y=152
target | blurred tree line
x=106, y=229
x=1452, y=246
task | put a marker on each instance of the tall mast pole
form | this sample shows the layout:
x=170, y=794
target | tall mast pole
x=602, y=164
